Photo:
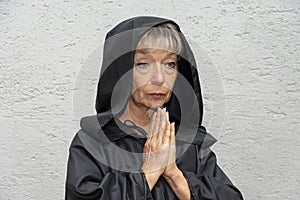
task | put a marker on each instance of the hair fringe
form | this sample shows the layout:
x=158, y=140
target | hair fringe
x=164, y=36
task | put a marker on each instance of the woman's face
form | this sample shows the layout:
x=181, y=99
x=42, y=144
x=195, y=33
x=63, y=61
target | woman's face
x=154, y=74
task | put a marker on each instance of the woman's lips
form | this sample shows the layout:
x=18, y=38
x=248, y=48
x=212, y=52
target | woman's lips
x=156, y=95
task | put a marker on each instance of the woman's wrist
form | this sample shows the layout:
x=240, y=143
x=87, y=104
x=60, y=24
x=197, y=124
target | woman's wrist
x=172, y=175
x=151, y=179
x=179, y=185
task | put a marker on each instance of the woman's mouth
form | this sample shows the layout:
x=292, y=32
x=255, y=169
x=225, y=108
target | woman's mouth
x=157, y=95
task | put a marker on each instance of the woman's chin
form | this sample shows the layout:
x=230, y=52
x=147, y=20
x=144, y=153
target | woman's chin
x=156, y=105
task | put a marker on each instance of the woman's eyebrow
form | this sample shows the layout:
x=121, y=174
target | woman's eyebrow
x=171, y=54
x=146, y=53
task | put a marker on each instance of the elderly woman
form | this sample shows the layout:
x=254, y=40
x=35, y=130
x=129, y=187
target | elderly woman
x=146, y=142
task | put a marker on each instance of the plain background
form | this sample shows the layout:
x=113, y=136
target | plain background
x=50, y=52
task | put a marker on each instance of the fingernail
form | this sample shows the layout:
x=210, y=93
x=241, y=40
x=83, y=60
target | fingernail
x=154, y=114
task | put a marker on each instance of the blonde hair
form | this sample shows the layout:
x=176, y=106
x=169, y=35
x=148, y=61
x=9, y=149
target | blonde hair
x=164, y=36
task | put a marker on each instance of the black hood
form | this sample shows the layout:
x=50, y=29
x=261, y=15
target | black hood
x=185, y=105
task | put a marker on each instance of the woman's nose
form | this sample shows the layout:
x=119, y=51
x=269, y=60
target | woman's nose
x=157, y=76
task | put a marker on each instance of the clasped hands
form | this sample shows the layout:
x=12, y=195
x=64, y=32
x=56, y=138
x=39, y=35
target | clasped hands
x=159, y=156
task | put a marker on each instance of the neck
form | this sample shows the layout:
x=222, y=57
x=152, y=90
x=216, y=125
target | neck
x=140, y=115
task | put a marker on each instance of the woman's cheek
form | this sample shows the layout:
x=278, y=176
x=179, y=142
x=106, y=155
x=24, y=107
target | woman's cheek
x=169, y=95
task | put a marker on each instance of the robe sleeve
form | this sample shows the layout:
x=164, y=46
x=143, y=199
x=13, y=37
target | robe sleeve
x=89, y=179
x=210, y=182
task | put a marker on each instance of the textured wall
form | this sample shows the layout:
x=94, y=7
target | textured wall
x=50, y=50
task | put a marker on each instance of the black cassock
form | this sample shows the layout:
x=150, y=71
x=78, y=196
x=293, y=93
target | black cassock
x=89, y=178
x=105, y=156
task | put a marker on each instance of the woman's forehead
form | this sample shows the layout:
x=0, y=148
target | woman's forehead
x=151, y=51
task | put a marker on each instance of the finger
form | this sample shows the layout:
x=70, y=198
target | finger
x=160, y=119
x=151, y=113
x=147, y=150
x=158, y=135
x=167, y=116
x=149, y=145
x=172, y=146
x=163, y=118
x=156, y=122
x=166, y=134
x=161, y=132
x=172, y=132
x=152, y=125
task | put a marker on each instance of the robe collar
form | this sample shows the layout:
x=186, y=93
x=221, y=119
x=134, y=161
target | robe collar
x=97, y=123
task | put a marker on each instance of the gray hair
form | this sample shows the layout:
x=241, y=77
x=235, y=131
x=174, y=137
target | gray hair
x=164, y=36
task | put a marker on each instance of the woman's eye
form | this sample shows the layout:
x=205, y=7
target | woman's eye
x=142, y=65
x=171, y=65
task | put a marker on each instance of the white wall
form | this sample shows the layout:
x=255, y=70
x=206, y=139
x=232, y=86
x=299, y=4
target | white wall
x=46, y=46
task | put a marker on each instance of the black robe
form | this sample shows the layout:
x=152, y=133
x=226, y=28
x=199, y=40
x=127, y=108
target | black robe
x=89, y=178
x=105, y=156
